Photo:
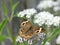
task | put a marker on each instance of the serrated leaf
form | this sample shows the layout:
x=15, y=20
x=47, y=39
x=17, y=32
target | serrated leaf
x=4, y=8
x=2, y=25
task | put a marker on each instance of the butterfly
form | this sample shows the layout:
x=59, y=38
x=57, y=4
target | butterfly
x=27, y=30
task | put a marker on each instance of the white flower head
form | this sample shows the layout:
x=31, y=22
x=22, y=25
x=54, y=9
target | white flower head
x=31, y=40
x=58, y=40
x=46, y=4
x=27, y=12
x=56, y=21
x=43, y=18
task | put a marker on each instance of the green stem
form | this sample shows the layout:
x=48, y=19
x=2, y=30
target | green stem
x=11, y=15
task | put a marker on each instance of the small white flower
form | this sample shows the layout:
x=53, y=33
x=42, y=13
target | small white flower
x=49, y=20
x=24, y=39
x=19, y=39
x=49, y=23
x=30, y=42
x=58, y=40
x=27, y=12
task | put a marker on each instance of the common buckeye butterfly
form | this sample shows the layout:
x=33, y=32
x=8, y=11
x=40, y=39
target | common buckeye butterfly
x=27, y=30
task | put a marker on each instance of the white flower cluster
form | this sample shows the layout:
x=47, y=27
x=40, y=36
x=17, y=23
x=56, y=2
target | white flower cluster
x=20, y=39
x=31, y=40
x=27, y=12
x=47, y=19
x=46, y=4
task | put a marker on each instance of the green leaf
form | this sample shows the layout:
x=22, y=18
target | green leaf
x=24, y=17
x=4, y=8
x=9, y=32
x=11, y=3
x=54, y=34
x=15, y=37
x=2, y=38
x=2, y=25
x=14, y=6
